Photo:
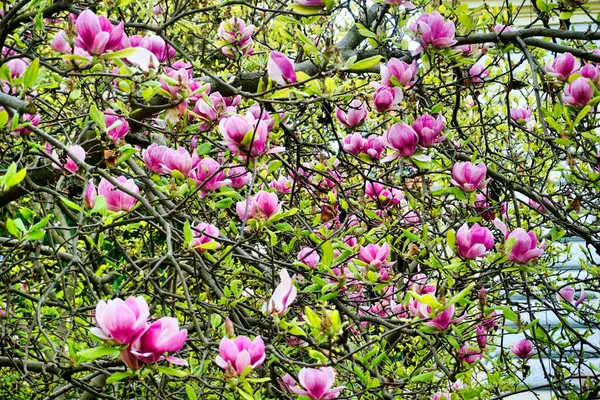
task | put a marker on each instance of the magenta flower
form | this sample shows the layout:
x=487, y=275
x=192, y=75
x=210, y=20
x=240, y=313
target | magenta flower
x=96, y=34
x=356, y=114
x=563, y=66
x=17, y=67
x=317, y=383
x=234, y=38
x=419, y=285
x=69, y=165
x=522, y=349
x=283, y=296
x=567, y=294
x=591, y=72
x=525, y=248
x=500, y=28
x=398, y=73
x=579, y=92
x=116, y=126
x=239, y=177
x=480, y=332
x=157, y=46
x=383, y=195
x=443, y=320
x=283, y=185
x=162, y=336
x=89, y=197
x=469, y=177
x=309, y=257
x=153, y=157
x=240, y=353
x=474, y=242
x=121, y=321
x=374, y=147
x=469, y=354
x=407, y=4
x=432, y=30
x=520, y=115
x=386, y=97
x=280, y=68
x=483, y=208
x=180, y=160
x=117, y=200
x=374, y=255
x=244, y=135
x=429, y=130
x=61, y=43
x=209, y=175
x=402, y=138
x=200, y=235
x=478, y=73
x=311, y=3
x=442, y=396
x=354, y=143
x=261, y=114
x=261, y=206
x=26, y=120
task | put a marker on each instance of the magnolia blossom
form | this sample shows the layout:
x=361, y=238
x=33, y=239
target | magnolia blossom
x=261, y=206
x=398, y=73
x=209, y=175
x=69, y=164
x=591, y=72
x=61, y=43
x=429, y=130
x=121, y=321
x=522, y=349
x=117, y=200
x=259, y=113
x=520, y=115
x=478, y=73
x=431, y=29
x=234, y=37
x=176, y=160
x=384, y=195
x=280, y=68
x=283, y=296
x=311, y=3
x=309, y=257
x=239, y=177
x=116, y=126
x=153, y=157
x=162, y=336
x=374, y=255
x=567, y=294
x=469, y=354
x=563, y=66
x=469, y=177
x=204, y=233
x=579, y=92
x=156, y=45
x=483, y=207
x=474, y=242
x=407, y=4
x=244, y=135
x=443, y=320
x=356, y=114
x=89, y=197
x=17, y=67
x=26, y=120
x=526, y=247
x=316, y=384
x=386, y=97
x=240, y=353
x=96, y=34
x=402, y=138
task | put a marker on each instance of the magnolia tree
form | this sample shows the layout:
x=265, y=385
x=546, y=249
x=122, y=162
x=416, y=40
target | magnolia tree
x=311, y=200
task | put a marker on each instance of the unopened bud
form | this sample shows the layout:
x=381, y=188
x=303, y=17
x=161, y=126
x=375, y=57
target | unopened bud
x=229, y=328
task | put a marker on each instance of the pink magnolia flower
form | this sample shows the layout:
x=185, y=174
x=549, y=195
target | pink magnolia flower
x=317, y=383
x=69, y=165
x=474, y=242
x=407, y=4
x=283, y=296
x=567, y=294
x=398, y=73
x=311, y=3
x=234, y=38
x=483, y=207
x=419, y=285
x=537, y=206
x=200, y=235
x=526, y=247
x=121, y=321
x=244, y=135
x=402, y=138
x=89, y=197
x=24, y=121
x=17, y=67
x=563, y=66
x=354, y=143
x=239, y=177
x=386, y=97
x=443, y=320
x=61, y=43
x=520, y=115
x=384, y=195
x=309, y=257
x=480, y=332
x=374, y=255
x=262, y=206
x=280, y=68
x=478, y=73
x=500, y=28
x=283, y=184
x=442, y=396
x=238, y=354
x=591, y=72
x=469, y=354
x=153, y=157
x=180, y=160
x=522, y=349
x=356, y=114
x=116, y=126
x=209, y=175
x=431, y=29
x=162, y=336
x=469, y=177
x=374, y=147
x=157, y=46
x=261, y=114
x=96, y=34
x=579, y=92
x=117, y=200
x=429, y=130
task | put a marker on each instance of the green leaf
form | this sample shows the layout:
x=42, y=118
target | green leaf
x=461, y=295
x=41, y=224
x=244, y=394
x=364, y=64
x=581, y=115
x=188, y=235
x=367, y=33
x=31, y=74
x=71, y=204
x=451, y=238
x=172, y=371
x=191, y=393
x=411, y=236
x=304, y=10
x=312, y=317
x=99, y=205
x=97, y=117
x=3, y=118
x=35, y=235
x=119, y=54
x=224, y=203
x=119, y=376
x=426, y=377
x=15, y=179
x=204, y=148
x=274, y=165
x=12, y=228
x=327, y=253
x=96, y=352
